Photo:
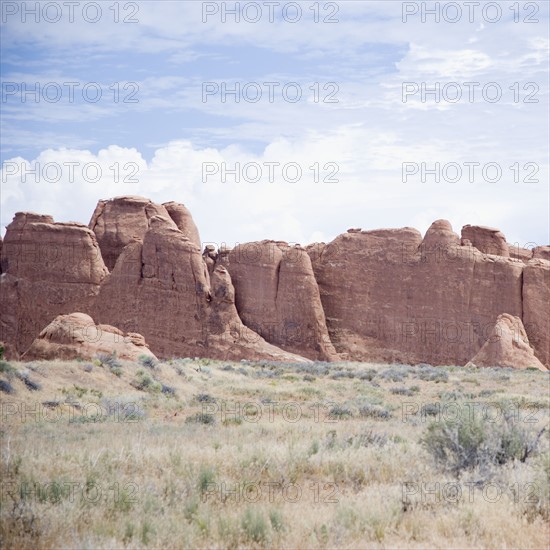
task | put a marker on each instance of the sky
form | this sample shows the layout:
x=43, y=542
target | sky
x=281, y=120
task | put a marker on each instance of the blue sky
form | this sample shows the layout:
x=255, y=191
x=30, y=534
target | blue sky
x=164, y=136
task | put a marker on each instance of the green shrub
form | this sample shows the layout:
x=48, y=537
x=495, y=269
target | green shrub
x=147, y=361
x=205, y=398
x=110, y=361
x=145, y=382
x=201, y=418
x=339, y=412
x=432, y=374
x=471, y=441
x=254, y=525
x=276, y=520
x=170, y=391
x=5, y=367
x=207, y=477
x=6, y=387
x=375, y=412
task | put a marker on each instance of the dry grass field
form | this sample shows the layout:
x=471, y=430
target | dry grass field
x=209, y=454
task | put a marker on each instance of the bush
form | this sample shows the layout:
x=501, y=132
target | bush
x=276, y=520
x=201, y=418
x=145, y=382
x=254, y=525
x=31, y=384
x=375, y=412
x=369, y=374
x=147, y=361
x=339, y=412
x=168, y=390
x=6, y=368
x=207, y=477
x=471, y=441
x=432, y=374
x=403, y=391
x=111, y=361
x=122, y=410
x=205, y=398
x=395, y=375
x=6, y=387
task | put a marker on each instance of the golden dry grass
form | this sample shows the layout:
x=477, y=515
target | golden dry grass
x=286, y=459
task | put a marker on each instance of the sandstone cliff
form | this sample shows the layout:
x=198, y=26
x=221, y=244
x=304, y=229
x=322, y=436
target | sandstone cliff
x=47, y=269
x=383, y=295
x=278, y=297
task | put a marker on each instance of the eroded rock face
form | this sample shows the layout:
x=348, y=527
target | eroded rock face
x=384, y=295
x=536, y=297
x=47, y=269
x=120, y=221
x=161, y=288
x=440, y=234
x=230, y=337
x=184, y=221
x=519, y=253
x=542, y=252
x=486, y=239
x=507, y=346
x=76, y=336
x=278, y=297
x=390, y=296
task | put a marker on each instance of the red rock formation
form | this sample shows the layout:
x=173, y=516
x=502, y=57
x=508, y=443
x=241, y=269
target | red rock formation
x=384, y=295
x=519, y=253
x=440, y=235
x=47, y=268
x=184, y=221
x=120, y=221
x=161, y=289
x=486, y=239
x=507, y=346
x=390, y=296
x=277, y=296
x=76, y=336
x=542, y=252
x=536, y=298
x=229, y=337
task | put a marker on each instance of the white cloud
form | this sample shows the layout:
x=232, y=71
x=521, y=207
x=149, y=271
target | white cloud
x=369, y=194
